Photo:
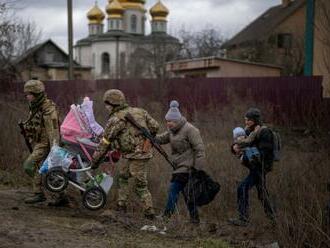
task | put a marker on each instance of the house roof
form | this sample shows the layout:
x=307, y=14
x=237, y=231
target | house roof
x=36, y=48
x=265, y=24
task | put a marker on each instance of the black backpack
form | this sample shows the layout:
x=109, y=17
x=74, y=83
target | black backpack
x=277, y=144
x=201, y=189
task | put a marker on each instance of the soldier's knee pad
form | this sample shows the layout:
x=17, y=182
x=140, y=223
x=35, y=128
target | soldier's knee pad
x=28, y=167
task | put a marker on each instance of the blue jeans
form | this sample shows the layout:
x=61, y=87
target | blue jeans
x=258, y=179
x=175, y=188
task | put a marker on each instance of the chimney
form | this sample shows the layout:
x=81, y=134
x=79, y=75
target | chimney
x=286, y=3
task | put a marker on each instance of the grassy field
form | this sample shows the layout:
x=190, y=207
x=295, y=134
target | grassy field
x=297, y=183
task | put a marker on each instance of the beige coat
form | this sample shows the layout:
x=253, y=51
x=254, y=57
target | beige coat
x=187, y=146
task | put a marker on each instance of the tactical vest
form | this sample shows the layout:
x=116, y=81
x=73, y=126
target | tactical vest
x=131, y=140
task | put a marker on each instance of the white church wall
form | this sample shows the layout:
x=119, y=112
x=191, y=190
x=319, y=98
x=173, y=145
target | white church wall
x=109, y=47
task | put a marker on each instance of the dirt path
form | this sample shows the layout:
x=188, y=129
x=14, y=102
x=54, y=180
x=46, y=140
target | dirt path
x=24, y=226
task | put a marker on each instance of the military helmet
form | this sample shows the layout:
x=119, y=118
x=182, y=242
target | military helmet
x=114, y=97
x=34, y=86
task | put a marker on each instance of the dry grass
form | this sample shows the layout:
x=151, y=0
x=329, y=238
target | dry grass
x=297, y=184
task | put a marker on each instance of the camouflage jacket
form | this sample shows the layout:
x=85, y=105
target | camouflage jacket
x=43, y=125
x=122, y=135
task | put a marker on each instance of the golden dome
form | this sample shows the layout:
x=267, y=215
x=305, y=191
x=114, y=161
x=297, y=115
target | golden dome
x=132, y=1
x=133, y=4
x=159, y=12
x=115, y=9
x=95, y=15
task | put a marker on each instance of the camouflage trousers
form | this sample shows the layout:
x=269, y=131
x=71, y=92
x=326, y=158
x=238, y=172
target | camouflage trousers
x=32, y=164
x=138, y=170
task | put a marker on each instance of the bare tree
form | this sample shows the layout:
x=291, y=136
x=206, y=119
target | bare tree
x=139, y=63
x=287, y=51
x=149, y=59
x=204, y=43
x=16, y=37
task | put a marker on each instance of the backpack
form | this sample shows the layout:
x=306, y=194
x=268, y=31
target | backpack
x=201, y=189
x=276, y=146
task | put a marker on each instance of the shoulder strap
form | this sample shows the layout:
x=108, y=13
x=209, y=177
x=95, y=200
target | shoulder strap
x=260, y=129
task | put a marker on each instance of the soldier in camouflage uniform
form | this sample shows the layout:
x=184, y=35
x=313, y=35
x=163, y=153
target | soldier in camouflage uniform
x=42, y=130
x=120, y=134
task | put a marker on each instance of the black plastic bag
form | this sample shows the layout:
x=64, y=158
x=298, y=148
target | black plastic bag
x=201, y=189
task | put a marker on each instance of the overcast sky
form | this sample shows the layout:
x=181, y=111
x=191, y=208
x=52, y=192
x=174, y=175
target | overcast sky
x=228, y=16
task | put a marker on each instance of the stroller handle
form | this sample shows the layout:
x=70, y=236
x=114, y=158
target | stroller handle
x=81, y=170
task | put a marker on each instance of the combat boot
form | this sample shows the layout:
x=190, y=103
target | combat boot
x=61, y=201
x=37, y=198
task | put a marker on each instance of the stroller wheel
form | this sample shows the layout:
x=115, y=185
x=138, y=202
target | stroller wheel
x=56, y=180
x=94, y=198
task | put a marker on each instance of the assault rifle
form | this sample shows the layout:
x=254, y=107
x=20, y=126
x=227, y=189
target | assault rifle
x=23, y=132
x=150, y=137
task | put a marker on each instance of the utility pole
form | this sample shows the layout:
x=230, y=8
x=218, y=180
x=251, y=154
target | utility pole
x=117, y=56
x=70, y=40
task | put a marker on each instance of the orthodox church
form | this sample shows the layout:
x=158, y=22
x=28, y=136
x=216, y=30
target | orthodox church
x=122, y=49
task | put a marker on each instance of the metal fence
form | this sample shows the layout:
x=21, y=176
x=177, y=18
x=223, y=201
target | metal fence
x=287, y=100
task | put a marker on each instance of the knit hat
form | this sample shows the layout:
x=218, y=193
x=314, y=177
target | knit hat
x=238, y=132
x=254, y=114
x=173, y=113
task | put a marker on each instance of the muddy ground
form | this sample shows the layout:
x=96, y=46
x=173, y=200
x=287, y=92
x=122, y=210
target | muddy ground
x=27, y=226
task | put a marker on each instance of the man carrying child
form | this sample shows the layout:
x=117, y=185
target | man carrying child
x=260, y=139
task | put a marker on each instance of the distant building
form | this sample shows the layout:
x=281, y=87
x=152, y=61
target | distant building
x=122, y=49
x=220, y=67
x=47, y=61
x=275, y=37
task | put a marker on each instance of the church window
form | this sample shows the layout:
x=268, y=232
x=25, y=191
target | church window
x=133, y=23
x=105, y=63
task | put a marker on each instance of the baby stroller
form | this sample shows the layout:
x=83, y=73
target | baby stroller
x=70, y=164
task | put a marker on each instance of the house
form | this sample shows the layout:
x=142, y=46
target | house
x=275, y=37
x=47, y=61
x=294, y=35
x=220, y=67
